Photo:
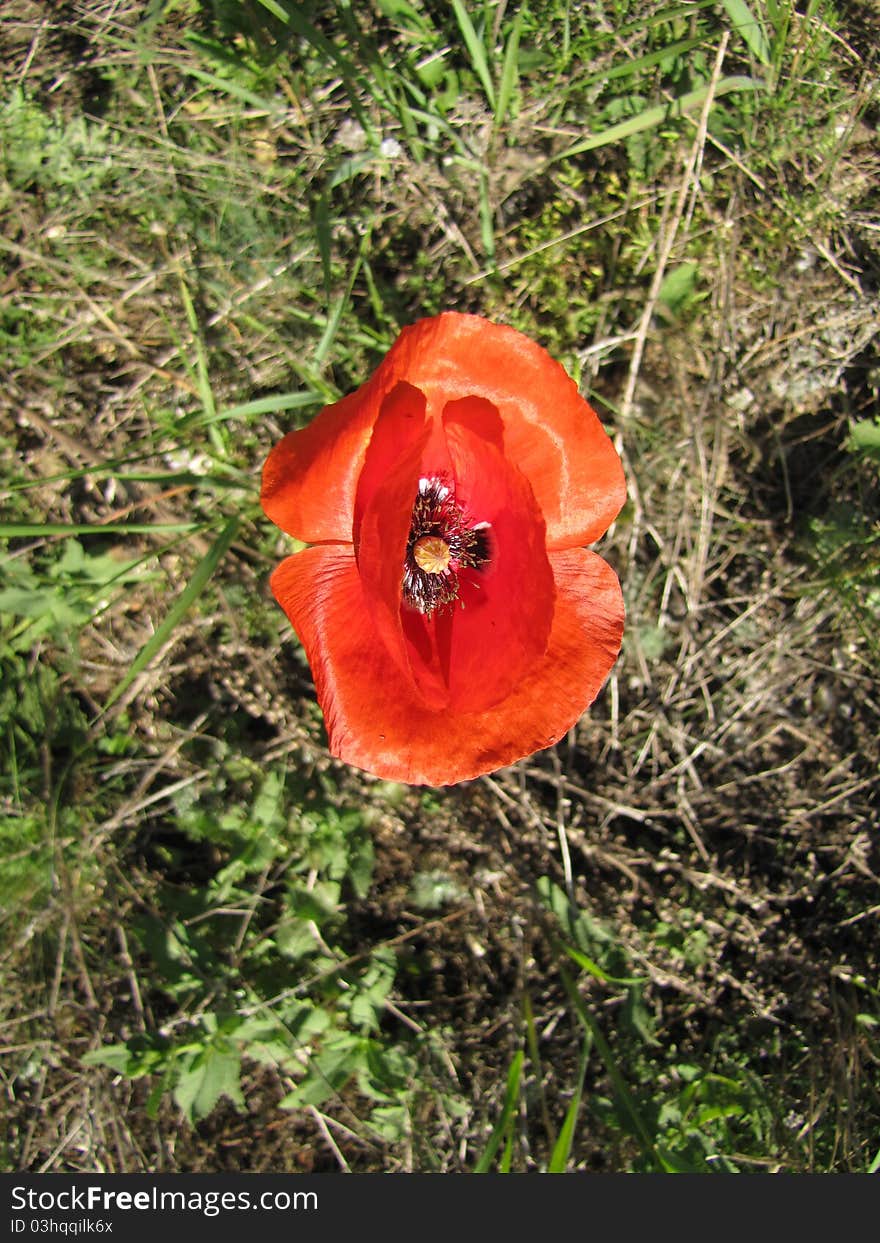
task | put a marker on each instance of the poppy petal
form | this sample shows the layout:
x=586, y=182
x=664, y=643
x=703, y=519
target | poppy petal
x=550, y=432
x=374, y=716
x=466, y=656
x=501, y=622
x=383, y=512
x=310, y=478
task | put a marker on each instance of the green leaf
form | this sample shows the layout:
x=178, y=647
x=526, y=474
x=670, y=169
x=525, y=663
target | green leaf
x=335, y=316
x=226, y=86
x=116, y=1056
x=360, y=864
x=24, y=603
x=369, y=1002
x=678, y=286
x=212, y=1073
x=865, y=436
x=295, y=939
x=324, y=238
x=328, y=1072
x=349, y=169
x=629, y=68
x=388, y=1068
x=139, y=1056
x=637, y=1016
x=487, y=226
x=390, y=1122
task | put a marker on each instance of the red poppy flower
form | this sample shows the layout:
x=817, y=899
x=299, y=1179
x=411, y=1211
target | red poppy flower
x=451, y=616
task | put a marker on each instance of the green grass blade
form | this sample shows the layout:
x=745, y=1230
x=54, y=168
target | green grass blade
x=750, y=28
x=36, y=530
x=335, y=316
x=537, y=1066
x=487, y=227
x=506, y=1159
x=290, y=15
x=562, y=1147
x=179, y=609
x=511, y=1101
x=203, y=378
x=269, y=405
x=663, y=17
x=626, y=68
x=265, y=405
x=232, y=478
x=433, y=120
x=324, y=237
x=226, y=86
x=629, y=1108
x=187, y=479
x=596, y=971
x=277, y=10
x=652, y=117
x=509, y=72
x=476, y=51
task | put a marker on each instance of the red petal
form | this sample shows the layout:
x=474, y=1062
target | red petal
x=501, y=623
x=468, y=656
x=310, y=477
x=383, y=514
x=550, y=432
x=374, y=716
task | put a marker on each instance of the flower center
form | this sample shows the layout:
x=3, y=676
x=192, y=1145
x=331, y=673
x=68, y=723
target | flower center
x=443, y=540
x=432, y=554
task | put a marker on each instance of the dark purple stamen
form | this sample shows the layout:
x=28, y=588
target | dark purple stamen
x=442, y=540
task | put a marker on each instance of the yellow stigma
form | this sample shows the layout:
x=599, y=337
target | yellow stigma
x=431, y=554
